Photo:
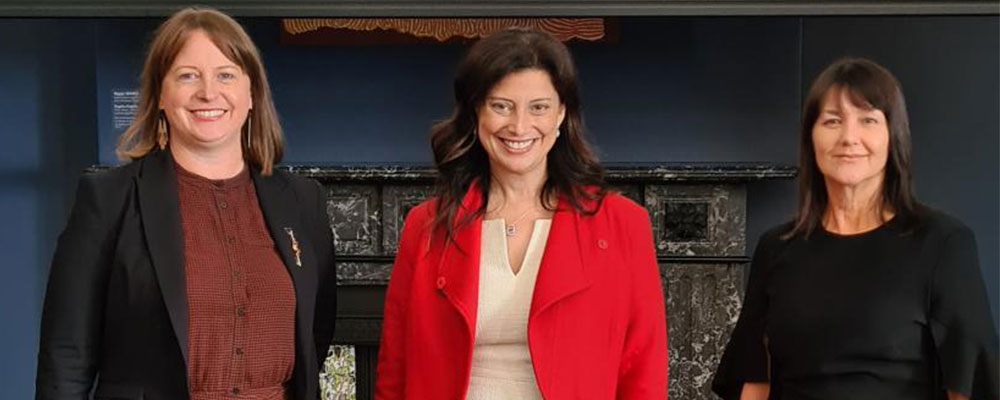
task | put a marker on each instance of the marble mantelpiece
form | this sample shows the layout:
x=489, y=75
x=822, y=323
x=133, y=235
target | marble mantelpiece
x=698, y=214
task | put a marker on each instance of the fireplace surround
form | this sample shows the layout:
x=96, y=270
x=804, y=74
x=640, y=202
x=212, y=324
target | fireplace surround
x=698, y=214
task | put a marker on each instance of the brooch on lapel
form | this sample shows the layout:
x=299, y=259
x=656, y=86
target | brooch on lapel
x=295, y=246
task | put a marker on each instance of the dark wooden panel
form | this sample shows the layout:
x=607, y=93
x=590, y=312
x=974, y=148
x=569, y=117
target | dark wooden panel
x=366, y=371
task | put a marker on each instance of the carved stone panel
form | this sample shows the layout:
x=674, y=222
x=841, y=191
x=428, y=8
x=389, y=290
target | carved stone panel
x=698, y=220
x=363, y=273
x=702, y=307
x=354, y=217
x=396, y=202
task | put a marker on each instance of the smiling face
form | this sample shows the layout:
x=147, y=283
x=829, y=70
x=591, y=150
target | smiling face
x=205, y=96
x=851, y=143
x=518, y=121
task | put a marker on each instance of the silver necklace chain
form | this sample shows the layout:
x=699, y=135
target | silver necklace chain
x=510, y=229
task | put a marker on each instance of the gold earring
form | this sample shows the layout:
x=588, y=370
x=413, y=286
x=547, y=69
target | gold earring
x=162, y=136
x=249, y=125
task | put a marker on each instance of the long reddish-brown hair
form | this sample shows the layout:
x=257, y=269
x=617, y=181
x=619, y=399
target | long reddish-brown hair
x=265, y=145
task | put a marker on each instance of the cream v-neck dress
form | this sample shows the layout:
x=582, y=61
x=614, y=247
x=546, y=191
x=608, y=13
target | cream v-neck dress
x=501, y=362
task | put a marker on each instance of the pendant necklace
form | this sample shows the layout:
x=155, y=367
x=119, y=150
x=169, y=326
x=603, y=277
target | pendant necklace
x=511, y=228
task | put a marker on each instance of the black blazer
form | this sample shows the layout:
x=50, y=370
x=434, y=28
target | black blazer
x=115, y=313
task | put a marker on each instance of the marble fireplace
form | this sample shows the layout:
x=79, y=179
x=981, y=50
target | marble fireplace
x=698, y=214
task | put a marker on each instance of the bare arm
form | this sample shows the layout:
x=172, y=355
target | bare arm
x=956, y=396
x=758, y=391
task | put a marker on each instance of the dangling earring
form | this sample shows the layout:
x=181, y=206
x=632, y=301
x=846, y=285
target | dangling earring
x=249, y=124
x=162, y=135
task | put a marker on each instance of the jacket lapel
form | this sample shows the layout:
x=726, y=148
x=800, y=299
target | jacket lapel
x=458, y=268
x=160, y=212
x=563, y=271
x=278, y=204
x=280, y=210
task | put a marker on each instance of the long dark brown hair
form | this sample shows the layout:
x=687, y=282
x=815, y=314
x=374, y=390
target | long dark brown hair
x=265, y=145
x=573, y=169
x=868, y=86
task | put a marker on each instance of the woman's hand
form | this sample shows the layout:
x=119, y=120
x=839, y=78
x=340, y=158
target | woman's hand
x=956, y=396
x=760, y=390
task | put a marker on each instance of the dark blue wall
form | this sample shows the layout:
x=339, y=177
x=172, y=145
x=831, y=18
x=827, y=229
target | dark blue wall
x=672, y=89
x=950, y=72
x=669, y=84
x=47, y=127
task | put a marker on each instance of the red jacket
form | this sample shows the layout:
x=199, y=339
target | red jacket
x=596, y=328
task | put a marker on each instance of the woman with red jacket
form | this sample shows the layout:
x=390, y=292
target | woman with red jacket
x=523, y=277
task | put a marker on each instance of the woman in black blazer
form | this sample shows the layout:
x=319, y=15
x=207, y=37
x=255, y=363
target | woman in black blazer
x=157, y=283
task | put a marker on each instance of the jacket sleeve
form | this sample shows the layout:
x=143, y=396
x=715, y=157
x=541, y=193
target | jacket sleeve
x=73, y=312
x=326, y=295
x=390, y=374
x=643, y=370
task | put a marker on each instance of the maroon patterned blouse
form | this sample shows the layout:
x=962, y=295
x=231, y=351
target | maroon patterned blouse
x=241, y=301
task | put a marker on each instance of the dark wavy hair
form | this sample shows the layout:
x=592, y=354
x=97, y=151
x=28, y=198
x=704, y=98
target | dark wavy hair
x=868, y=86
x=573, y=169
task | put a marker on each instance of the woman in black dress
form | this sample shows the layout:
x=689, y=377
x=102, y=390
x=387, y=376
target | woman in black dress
x=867, y=294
